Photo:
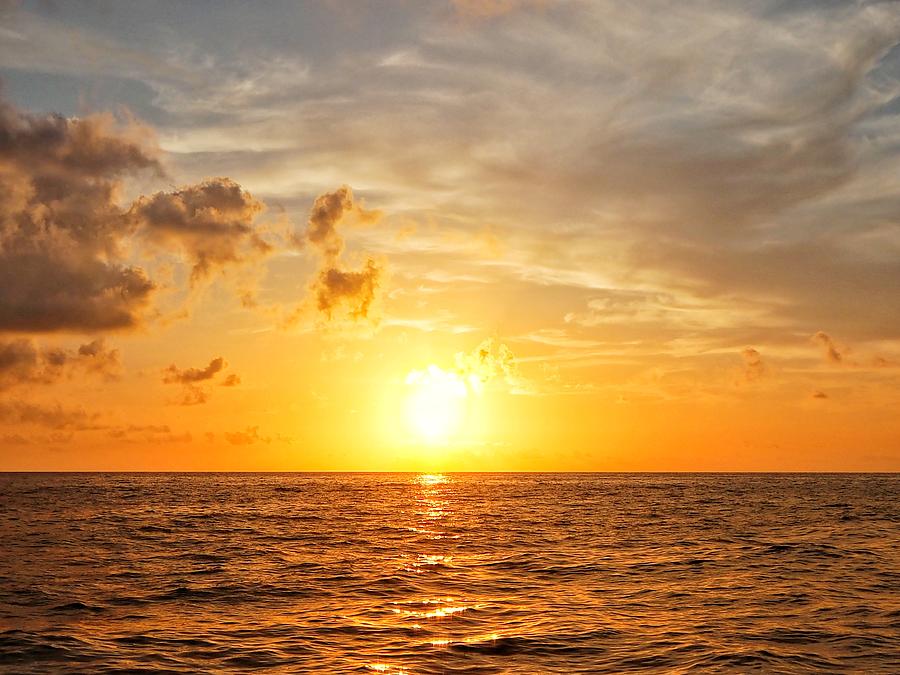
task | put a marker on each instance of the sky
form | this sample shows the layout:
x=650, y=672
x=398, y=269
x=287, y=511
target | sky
x=525, y=235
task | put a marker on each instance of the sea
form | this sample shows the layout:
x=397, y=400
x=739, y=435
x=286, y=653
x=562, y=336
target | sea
x=449, y=573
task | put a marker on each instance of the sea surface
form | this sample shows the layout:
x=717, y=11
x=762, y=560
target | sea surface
x=456, y=573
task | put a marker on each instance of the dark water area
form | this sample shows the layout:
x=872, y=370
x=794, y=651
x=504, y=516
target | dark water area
x=462, y=573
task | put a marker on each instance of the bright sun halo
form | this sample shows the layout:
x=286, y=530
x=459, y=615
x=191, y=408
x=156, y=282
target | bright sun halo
x=436, y=403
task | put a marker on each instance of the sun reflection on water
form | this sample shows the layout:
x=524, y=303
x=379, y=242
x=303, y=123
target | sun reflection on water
x=447, y=607
x=434, y=616
x=432, y=478
x=386, y=668
x=424, y=560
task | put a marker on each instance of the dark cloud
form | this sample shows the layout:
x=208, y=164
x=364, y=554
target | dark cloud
x=819, y=394
x=192, y=378
x=60, y=225
x=335, y=286
x=211, y=223
x=95, y=357
x=173, y=374
x=831, y=351
x=63, y=232
x=22, y=361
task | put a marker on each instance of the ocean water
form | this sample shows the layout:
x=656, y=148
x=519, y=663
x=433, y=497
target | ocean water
x=461, y=573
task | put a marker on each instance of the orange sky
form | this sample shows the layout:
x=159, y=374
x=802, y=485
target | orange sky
x=450, y=236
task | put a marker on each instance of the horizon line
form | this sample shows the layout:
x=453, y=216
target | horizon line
x=423, y=472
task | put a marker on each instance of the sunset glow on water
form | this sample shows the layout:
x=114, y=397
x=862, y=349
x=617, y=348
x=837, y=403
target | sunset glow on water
x=492, y=573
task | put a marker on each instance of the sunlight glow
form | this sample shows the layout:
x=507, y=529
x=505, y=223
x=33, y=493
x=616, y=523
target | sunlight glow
x=435, y=406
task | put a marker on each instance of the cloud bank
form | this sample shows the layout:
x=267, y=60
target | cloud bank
x=61, y=228
x=64, y=232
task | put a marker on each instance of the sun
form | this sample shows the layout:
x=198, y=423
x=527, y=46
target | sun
x=435, y=406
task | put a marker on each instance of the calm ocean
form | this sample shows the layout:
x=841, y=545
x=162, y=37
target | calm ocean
x=462, y=573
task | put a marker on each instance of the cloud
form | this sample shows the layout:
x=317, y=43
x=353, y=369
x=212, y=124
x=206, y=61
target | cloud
x=61, y=229
x=831, y=351
x=148, y=433
x=22, y=361
x=754, y=368
x=327, y=211
x=819, y=394
x=334, y=286
x=173, y=374
x=192, y=378
x=843, y=355
x=247, y=437
x=211, y=223
x=193, y=395
x=64, y=234
x=489, y=360
x=119, y=432
x=643, y=147
x=96, y=358
x=882, y=362
x=686, y=165
x=787, y=282
x=231, y=380
x=50, y=416
x=356, y=290
x=490, y=366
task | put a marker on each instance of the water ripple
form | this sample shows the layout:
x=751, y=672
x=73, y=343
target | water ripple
x=466, y=573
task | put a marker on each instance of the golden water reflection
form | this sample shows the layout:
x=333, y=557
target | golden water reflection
x=386, y=668
x=434, y=521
